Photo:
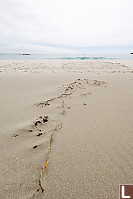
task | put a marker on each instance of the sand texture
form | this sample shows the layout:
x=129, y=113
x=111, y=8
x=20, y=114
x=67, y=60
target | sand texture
x=66, y=129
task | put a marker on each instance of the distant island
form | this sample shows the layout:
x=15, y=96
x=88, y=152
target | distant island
x=25, y=54
x=131, y=53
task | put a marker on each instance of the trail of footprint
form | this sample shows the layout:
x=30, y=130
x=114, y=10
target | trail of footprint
x=80, y=84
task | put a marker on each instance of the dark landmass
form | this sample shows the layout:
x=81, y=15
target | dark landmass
x=26, y=54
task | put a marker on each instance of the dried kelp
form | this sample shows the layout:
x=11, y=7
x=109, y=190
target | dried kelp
x=50, y=147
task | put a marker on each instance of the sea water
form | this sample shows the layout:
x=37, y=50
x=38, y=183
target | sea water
x=18, y=56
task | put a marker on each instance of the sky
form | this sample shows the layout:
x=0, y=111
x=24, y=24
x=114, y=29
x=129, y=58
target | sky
x=66, y=26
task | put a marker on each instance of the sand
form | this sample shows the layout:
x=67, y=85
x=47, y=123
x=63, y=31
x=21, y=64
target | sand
x=65, y=128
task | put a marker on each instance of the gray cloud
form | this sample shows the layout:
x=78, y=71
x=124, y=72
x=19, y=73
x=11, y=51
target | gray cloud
x=58, y=25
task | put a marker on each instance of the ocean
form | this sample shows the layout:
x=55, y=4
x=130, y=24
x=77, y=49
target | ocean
x=19, y=56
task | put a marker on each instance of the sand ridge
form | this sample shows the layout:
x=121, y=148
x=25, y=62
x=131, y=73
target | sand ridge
x=67, y=66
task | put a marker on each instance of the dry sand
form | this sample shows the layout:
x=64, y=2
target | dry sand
x=83, y=149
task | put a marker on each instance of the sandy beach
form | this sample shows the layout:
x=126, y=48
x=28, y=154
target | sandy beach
x=66, y=128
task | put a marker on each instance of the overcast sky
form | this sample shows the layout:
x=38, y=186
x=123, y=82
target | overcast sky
x=66, y=26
